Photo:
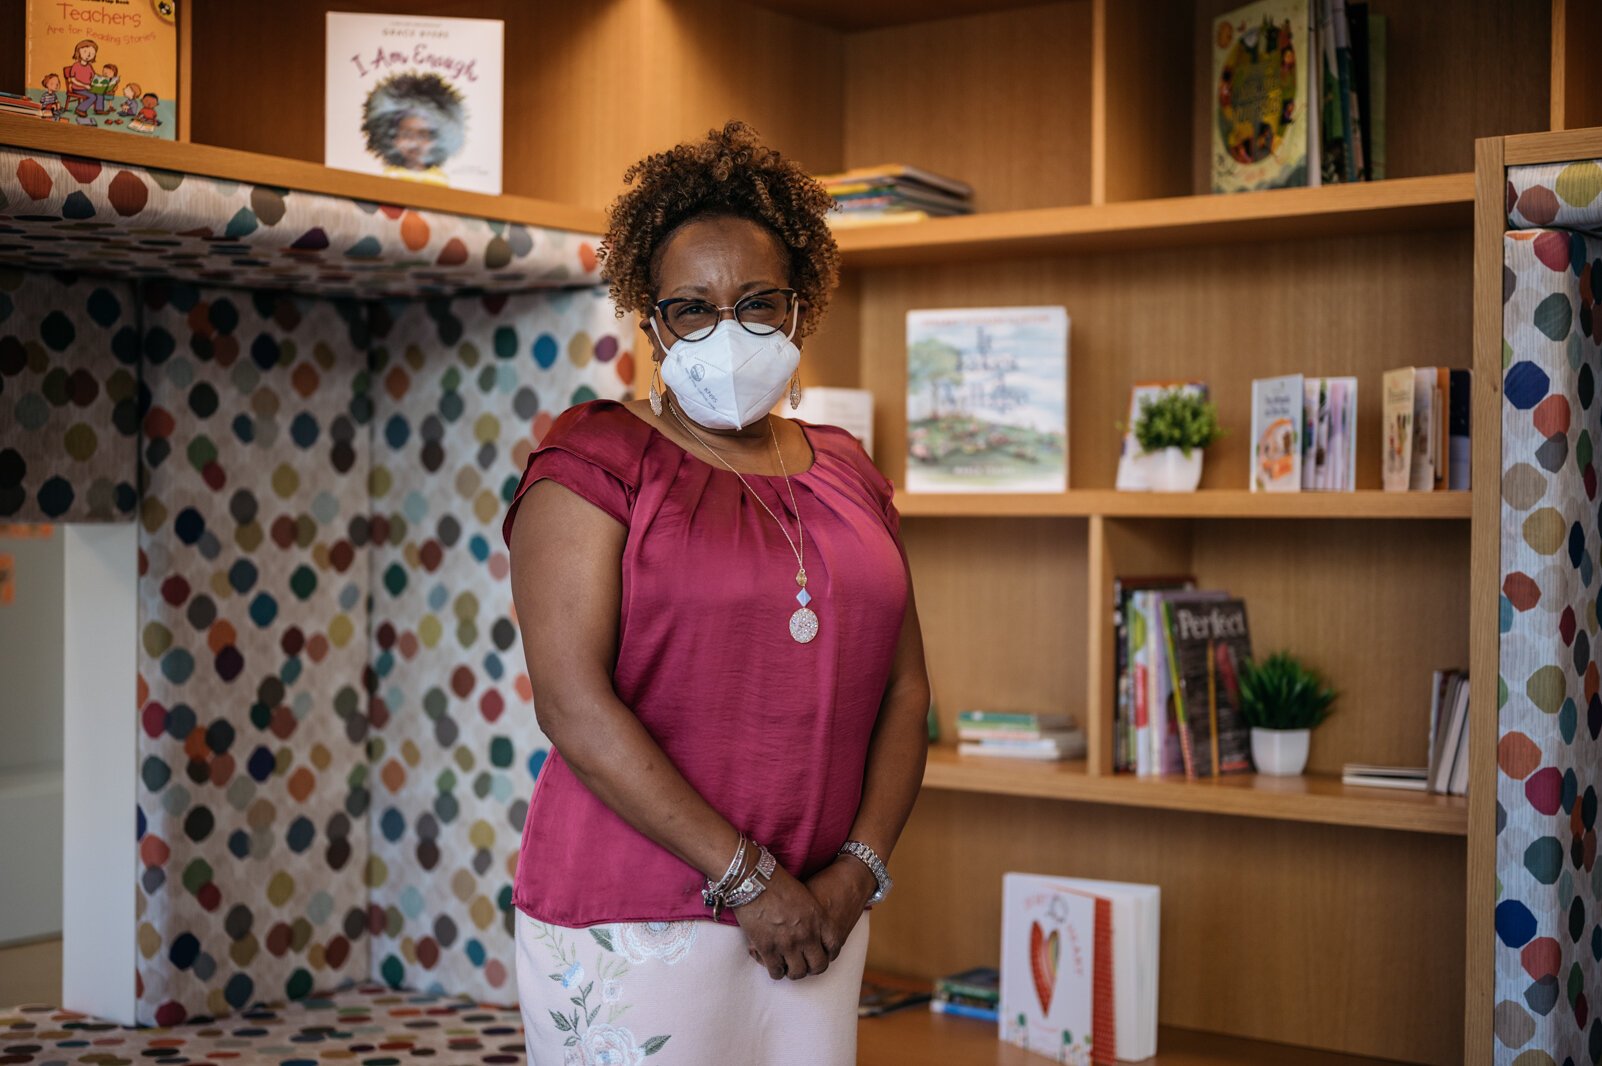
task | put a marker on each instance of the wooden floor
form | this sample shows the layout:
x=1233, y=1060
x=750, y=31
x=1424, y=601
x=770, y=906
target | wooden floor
x=31, y=973
x=915, y=1037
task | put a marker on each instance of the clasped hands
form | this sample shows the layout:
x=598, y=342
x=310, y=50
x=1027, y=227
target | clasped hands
x=795, y=929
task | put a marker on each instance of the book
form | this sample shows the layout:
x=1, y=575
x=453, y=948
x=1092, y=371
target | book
x=897, y=174
x=850, y=409
x=1024, y=721
x=1013, y=733
x=1277, y=434
x=1169, y=739
x=1132, y=473
x=1397, y=424
x=987, y=400
x=981, y=983
x=415, y=97
x=112, y=67
x=1374, y=127
x=1260, y=105
x=1045, y=749
x=1459, y=417
x=882, y=993
x=1451, y=741
x=965, y=1010
x=1426, y=412
x=1079, y=967
x=1208, y=642
x=1409, y=778
x=1132, y=734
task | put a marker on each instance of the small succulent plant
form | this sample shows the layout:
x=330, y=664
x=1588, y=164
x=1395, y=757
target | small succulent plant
x=1177, y=418
x=1280, y=693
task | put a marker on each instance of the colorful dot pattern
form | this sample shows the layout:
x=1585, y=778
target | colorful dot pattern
x=69, y=397
x=337, y=744
x=69, y=213
x=1549, y=746
x=366, y=1024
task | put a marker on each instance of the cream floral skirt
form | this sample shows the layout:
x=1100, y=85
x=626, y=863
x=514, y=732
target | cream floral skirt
x=670, y=993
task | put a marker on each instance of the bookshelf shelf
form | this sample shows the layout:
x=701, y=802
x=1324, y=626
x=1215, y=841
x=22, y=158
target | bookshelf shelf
x=917, y=1035
x=1309, y=798
x=1443, y=201
x=279, y=172
x=1220, y=503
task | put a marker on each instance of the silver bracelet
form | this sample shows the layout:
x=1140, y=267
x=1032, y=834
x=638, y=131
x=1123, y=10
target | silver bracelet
x=751, y=887
x=713, y=891
x=857, y=849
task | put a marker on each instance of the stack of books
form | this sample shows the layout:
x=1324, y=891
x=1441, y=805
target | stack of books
x=972, y=993
x=894, y=192
x=20, y=106
x=1447, y=772
x=1019, y=735
x=1425, y=424
x=882, y=993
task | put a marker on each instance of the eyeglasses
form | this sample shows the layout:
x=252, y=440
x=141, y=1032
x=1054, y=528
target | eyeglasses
x=761, y=313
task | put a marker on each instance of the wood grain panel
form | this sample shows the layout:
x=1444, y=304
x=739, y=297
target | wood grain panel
x=1000, y=100
x=1486, y=63
x=1375, y=613
x=1001, y=604
x=1226, y=314
x=875, y=14
x=1576, y=75
x=1344, y=939
x=1141, y=54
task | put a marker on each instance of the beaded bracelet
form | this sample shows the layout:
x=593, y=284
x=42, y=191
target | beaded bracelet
x=751, y=887
x=716, y=895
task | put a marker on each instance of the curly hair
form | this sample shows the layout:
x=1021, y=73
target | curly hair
x=731, y=173
x=427, y=95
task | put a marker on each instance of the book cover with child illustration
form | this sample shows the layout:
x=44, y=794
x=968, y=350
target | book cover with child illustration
x=415, y=97
x=116, y=67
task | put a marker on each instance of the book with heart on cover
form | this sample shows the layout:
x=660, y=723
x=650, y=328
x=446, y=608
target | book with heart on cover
x=1079, y=968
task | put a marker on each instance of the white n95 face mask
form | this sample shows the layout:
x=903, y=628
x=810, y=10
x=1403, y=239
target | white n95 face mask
x=732, y=377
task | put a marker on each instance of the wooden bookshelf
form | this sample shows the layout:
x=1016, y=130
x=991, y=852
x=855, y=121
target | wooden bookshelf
x=915, y=1036
x=1216, y=503
x=1400, y=205
x=1308, y=798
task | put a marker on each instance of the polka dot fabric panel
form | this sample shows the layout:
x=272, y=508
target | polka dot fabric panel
x=1549, y=755
x=69, y=398
x=463, y=389
x=253, y=797
x=59, y=212
x=1568, y=195
x=365, y=1025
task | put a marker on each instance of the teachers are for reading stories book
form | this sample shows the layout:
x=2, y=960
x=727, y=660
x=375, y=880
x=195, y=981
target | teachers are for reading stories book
x=114, y=66
x=987, y=399
x=415, y=97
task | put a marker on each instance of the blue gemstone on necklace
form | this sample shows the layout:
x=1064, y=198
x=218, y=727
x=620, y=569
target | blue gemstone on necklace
x=803, y=597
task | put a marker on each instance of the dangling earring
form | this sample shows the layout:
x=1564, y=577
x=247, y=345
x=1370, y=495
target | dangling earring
x=656, y=387
x=795, y=389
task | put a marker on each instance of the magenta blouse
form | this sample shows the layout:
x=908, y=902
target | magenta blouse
x=774, y=734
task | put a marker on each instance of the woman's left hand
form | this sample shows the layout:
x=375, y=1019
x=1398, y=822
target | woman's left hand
x=842, y=889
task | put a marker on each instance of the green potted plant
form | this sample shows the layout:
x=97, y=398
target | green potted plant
x=1282, y=700
x=1172, y=429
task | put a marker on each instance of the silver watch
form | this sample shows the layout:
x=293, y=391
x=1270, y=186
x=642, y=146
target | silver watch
x=875, y=864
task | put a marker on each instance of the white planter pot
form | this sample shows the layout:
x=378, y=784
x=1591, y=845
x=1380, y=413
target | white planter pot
x=1280, y=752
x=1171, y=471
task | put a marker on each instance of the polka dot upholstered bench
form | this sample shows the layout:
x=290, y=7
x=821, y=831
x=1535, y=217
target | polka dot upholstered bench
x=365, y=1025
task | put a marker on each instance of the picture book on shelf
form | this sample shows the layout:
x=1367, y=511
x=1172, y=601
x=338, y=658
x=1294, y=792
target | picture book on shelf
x=1079, y=968
x=1261, y=105
x=1396, y=464
x=415, y=97
x=1277, y=434
x=115, y=67
x=987, y=400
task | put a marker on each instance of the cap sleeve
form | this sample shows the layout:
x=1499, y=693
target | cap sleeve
x=844, y=444
x=593, y=450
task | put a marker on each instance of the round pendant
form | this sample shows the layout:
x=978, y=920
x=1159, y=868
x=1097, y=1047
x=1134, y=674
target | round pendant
x=803, y=625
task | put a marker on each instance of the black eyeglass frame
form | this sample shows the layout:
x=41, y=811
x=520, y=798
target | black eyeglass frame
x=792, y=304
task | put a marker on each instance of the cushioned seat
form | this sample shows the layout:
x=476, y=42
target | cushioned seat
x=368, y=1024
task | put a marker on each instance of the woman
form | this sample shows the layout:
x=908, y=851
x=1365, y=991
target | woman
x=723, y=649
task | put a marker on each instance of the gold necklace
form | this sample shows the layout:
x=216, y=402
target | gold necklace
x=804, y=622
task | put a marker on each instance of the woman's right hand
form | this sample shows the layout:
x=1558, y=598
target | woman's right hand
x=784, y=926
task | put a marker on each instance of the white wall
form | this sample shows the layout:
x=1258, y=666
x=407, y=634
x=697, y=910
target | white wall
x=31, y=722
x=100, y=634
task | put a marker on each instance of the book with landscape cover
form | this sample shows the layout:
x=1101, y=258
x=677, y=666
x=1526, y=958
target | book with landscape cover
x=1209, y=640
x=416, y=97
x=987, y=400
x=112, y=66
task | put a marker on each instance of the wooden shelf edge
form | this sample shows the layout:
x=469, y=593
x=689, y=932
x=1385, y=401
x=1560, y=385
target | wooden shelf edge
x=35, y=135
x=1310, y=798
x=1398, y=204
x=918, y=1035
x=1212, y=503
